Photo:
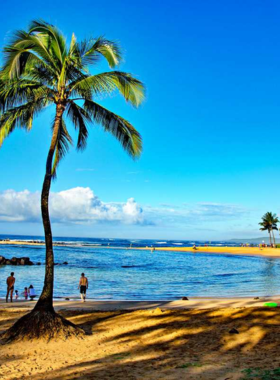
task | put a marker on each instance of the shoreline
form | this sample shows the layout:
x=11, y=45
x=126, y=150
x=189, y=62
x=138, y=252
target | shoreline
x=241, y=251
x=196, y=303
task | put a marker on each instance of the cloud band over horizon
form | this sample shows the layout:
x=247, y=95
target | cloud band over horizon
x=78, y=205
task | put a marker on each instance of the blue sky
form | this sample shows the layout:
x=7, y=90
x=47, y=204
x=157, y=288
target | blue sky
x=210, y=124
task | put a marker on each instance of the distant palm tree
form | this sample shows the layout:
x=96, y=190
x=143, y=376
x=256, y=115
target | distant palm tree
x=40, y=70
x=269, y=223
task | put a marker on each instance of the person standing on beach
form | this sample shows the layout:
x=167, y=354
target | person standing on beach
x=83, y=285
x=10, y=286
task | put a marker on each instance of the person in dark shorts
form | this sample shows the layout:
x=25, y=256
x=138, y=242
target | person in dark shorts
x=83, y=285
x=10, y=286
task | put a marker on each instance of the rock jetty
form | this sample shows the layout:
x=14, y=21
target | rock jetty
x=15, y=261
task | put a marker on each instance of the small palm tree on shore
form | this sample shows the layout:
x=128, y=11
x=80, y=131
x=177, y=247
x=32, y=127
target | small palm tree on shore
x=269, y=223
x=39, y=70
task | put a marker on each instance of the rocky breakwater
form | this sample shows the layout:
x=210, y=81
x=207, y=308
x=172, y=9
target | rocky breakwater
x=15, y=261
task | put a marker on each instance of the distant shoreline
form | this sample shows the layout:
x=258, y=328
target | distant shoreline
x=241, y=251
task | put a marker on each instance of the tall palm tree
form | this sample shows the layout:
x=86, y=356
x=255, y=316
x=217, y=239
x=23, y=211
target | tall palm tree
x=41, y=70
x=269, y=223
x=265, y=227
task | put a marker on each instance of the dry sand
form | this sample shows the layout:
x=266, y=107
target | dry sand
x=165, y=341
x=243, y=251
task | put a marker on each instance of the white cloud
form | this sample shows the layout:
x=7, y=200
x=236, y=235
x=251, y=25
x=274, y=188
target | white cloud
x=197, y=213
x=81, y=206
x=77, y=205
x=210, y=209
x=131, y=208
x=19, y=206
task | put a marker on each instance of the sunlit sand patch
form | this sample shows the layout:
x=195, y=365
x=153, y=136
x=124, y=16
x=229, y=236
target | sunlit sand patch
x=246, y=340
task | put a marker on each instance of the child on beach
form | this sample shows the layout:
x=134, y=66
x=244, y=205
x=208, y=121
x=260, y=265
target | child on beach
x=25, y=293
x=16, y=296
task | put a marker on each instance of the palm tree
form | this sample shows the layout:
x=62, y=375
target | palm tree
x=39, y=70
x=269, y=223
x=265, y=227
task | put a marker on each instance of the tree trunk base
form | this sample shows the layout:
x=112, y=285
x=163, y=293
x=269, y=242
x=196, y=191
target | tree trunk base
x=42, y=324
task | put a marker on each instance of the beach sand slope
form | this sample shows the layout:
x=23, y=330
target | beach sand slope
x=149, y=344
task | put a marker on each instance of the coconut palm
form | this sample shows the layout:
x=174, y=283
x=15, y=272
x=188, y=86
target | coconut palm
x=39, y=70
x=269, y=223
x=265, y=227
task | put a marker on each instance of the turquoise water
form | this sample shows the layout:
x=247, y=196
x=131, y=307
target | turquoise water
x=128, y=274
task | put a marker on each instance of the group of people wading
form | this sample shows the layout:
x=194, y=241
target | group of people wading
x=28, y=292
x=83, y=286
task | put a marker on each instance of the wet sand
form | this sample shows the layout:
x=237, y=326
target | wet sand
x=191, y=303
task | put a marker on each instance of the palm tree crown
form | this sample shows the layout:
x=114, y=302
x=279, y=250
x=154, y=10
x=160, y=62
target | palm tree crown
x=40, y=69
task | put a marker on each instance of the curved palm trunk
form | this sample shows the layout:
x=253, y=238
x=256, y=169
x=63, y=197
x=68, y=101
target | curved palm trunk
x=273, y=237
x=269, y=236
x=42, y=321
x=46, y=299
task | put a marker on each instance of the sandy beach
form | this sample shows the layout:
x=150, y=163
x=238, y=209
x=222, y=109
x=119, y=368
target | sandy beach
x=242, y=251
x=183, y=339
x=149, y=340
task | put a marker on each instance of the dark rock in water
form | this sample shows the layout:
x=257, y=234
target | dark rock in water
x=15, y=261
x=185, y=299
x=65, y=263
x=38, y=263
x=67, y=299
x=27, y=261
x=233, y=331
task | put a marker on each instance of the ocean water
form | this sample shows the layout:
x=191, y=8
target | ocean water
x=129, y=274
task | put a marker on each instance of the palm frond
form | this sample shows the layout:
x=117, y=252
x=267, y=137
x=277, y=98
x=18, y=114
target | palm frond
x=105, y=83
x=16, y=92
x=79, y=117
x=21, y=116
x=26, y=49
x=90, y=50
x=131, y=88
x=56, y=41
x=120, y=128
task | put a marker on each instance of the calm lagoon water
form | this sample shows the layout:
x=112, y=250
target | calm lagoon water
x=129, y=274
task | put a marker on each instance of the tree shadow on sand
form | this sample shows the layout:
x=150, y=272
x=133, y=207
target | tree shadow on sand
x=173, y=344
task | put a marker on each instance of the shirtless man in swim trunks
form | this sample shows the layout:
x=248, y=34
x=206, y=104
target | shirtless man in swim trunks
x=83, y=285
x=10, y=286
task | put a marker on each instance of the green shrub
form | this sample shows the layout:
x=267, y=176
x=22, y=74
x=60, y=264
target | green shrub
x=261, y=374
